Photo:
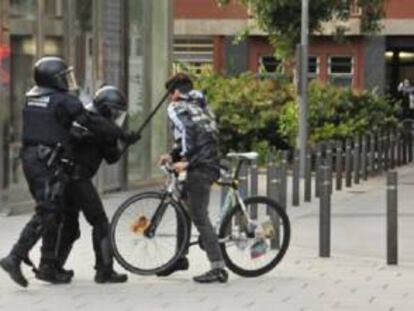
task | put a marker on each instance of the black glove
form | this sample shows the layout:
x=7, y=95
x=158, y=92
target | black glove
x=131, y=138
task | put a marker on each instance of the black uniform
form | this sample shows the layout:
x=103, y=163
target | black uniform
x=47, y=183
x=47, y=118
x=80, y=193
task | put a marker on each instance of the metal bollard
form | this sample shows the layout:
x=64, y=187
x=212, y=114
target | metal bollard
x=272, y=182
x=329, y=161
x=399, y=148
x=371, y=156
x=387, y=150
x=272, y=192
x=355, y=162
x=392, y=149
x=318, y=162
x=392, y=218
x=338, y=166
x=364, y=157
x=283, y=179
x=243, y=181
x=308, y=176
x=325, y=214
x=410, y=142
x=348, y=173
x=254, y=181
x=296, y=179
x=404, y=145
x=380, y=153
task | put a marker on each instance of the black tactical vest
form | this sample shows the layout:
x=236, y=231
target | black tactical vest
x=40, y=121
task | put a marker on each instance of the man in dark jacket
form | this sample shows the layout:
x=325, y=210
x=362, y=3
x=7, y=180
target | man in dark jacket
x=196, y=151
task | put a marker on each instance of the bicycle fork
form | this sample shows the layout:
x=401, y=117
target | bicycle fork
x=156, y=218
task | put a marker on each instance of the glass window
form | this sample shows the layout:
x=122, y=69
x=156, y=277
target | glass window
x=268, y=64
x=193, y=53
x=340, y=65
x=341, y=70
x=23, y=8
x=313, y=66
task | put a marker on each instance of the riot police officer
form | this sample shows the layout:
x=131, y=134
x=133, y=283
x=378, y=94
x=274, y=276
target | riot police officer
x=48, y=115
x=108, y=110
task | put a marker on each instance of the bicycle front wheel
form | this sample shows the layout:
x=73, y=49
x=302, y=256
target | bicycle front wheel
x=139, y=252
x=253, y=243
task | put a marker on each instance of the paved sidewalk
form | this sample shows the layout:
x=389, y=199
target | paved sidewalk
x=355, y=278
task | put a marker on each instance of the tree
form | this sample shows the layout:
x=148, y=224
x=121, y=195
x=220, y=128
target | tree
x=281, y=19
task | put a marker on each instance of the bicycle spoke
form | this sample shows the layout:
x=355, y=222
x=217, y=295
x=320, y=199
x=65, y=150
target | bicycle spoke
x=135, y=251
x=248, y=249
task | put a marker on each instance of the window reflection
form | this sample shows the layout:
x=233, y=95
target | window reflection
x=23, y=8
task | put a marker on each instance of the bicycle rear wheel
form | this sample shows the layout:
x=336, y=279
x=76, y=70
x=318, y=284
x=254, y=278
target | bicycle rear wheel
x=254, y=247
x=139, y=253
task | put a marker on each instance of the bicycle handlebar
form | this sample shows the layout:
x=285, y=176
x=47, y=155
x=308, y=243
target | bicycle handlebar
x=167, y=168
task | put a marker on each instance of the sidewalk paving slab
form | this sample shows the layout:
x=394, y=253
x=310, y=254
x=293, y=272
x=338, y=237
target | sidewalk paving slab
x=354, y=278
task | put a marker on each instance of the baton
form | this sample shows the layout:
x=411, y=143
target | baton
x=149, y=118
x=151, y=115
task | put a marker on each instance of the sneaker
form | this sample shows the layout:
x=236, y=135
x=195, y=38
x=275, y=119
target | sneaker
x=52, y=275
x=11, y=265
x=212, y=276
x=180, y=264
x=110, y=276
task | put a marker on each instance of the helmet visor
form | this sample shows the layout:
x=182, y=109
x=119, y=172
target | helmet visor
x=68, y=79
x=118, y=117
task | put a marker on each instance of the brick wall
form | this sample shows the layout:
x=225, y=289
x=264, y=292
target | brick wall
x=208, y=9
x=399, y=9
x=326, y=47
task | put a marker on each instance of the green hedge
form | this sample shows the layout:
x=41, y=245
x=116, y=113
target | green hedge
x=261, y=114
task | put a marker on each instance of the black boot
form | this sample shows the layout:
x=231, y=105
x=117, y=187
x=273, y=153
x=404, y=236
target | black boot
x=11, y=264
x=180, y=264
x=214, y=275
x=109, y=276
x=51, y=274
x=61, y=260
x=69, y=273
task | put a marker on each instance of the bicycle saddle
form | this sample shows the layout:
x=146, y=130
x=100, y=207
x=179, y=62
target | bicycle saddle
x=243, y=155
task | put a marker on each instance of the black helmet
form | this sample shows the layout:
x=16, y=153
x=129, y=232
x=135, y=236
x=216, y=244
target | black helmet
x=53, y=72
x=110, y=102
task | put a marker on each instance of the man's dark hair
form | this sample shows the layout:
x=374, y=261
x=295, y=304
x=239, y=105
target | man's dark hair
x=181, y=82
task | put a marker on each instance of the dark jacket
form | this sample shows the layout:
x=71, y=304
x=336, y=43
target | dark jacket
x=94, y=139
x=48, y=115
x=195, y=132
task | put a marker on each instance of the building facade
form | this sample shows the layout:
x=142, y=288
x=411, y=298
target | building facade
x=205, y=32
x=124, y=43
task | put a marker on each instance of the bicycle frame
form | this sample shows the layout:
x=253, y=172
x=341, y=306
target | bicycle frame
x=232, y=199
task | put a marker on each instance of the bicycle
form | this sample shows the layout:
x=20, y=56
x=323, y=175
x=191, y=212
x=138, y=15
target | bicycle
x=156, y=226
